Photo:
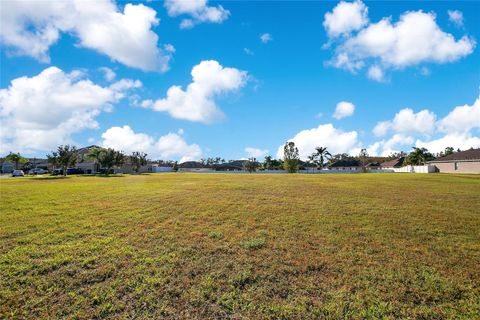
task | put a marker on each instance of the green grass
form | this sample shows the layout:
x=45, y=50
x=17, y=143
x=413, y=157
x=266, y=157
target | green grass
x=367, y=246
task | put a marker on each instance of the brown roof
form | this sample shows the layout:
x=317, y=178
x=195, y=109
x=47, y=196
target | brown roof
x=373, y=164
x=192, y=164
x=467, y=155
x=345, y=163
x=394, y=163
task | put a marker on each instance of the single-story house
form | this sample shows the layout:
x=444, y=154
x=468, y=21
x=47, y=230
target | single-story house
x=351, y=165
x=374, y=166
x=84, y=162
x=467, y=161
x=234, y=165
x=395, y=163
x=8, y=167
x=193, y=166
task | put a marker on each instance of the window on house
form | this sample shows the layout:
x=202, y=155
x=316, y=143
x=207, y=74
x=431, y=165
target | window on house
x=455, y=165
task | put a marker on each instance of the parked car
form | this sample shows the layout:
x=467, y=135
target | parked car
x=74, y=171
x=57, y=172
x=18, y=173
x=38, y=171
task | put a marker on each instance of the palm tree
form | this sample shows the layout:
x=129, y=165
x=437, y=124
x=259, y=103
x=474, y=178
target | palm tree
x=321, y=155
x=94, y=155
x=312, y=159
x=138, y=159
x=419, y=156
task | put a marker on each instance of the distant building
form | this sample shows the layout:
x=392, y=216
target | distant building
x=395, y=163
x=467, y=161
x=8, y=167
x=350, y=165
x=373, y=166
x=193, y=166
x=84, y=162
x=235, y=165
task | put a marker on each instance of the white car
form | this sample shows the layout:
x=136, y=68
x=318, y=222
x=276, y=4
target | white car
x=38, y=171
x=18, y=173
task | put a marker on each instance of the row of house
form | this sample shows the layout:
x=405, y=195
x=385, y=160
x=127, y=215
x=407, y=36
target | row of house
x=467, y=161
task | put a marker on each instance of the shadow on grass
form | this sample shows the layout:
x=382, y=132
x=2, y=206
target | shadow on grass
x=50, y=178
x=110, y=176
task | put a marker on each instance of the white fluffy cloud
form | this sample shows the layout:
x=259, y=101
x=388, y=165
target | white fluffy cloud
x=408, y=122
x=266, y=37
x=326, y=135
x=31, y=27
x=375, y=72
x=43, y=111
x=396, y=143
x=345, y=18
x=198, y=10
x=197, y=102
x=108, y=73
x=388, y=45
x=344, y=109
x=456, y=140
x=382, y=128
x=457, y=129
x=462, y=119
x=171, y=146
x=456, y=17
x=255, y=152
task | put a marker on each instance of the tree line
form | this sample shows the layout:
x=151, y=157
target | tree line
x=321, y=157
x=105, y=159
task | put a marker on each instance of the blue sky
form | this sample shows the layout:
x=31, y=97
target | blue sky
x=417, y=73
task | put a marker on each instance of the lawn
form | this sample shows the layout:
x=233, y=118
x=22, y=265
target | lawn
x=241, y=246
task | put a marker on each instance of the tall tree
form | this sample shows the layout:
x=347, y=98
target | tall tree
x=267, y=163
x=16, y=158
x=110, y=158
x=138, y=159
x=67, y=157
x=448, y=150
x=363, y=156
x=52, y=159
x=120, y=158
x=312, y=159
x=338, y=157
x=94, y=154
x=251, y=165
x=418, y=156
x=175, y=166
x=396, y=155
x=291, y=157
x=321, y=154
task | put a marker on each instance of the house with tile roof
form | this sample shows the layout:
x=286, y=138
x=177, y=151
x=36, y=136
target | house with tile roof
x=467, y=161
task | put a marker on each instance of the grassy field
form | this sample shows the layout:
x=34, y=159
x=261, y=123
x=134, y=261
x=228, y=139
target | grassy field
x=374, y=246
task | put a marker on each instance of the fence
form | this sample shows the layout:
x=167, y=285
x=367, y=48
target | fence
x=416, y=169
